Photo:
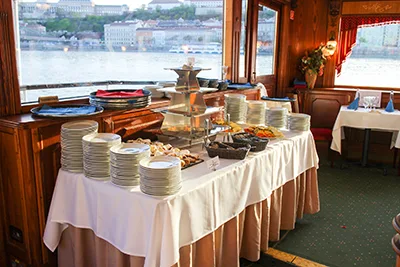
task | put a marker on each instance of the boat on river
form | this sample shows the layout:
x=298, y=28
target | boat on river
x=210, y=48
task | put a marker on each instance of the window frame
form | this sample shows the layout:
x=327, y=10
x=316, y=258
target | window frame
x=375, y=88
x=26, y=107
x=251, y=45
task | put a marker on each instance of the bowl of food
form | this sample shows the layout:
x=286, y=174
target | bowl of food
x=228, y=150
x=257, y=143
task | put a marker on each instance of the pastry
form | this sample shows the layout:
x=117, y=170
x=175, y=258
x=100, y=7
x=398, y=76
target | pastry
x=159, y=149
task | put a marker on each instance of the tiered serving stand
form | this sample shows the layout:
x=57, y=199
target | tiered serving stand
x=187, y=115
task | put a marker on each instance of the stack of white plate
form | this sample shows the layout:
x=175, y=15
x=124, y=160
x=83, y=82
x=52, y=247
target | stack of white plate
x=160, y=175
x=124, y=163
x=299, y=122
x=255, y=112
x=71, y=143
x=276, y=117
x=235, y=105
x=96, y=154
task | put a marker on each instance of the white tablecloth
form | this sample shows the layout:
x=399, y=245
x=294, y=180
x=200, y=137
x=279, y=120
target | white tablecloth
x=155, y=228
x=364, y=119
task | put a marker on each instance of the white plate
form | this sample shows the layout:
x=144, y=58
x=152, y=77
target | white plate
x=129, y=149
x=102, y=138
x=79, y=125
x=160, y=162
x=207, y=90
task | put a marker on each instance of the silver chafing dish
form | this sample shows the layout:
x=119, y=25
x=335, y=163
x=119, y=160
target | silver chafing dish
x=187, y=114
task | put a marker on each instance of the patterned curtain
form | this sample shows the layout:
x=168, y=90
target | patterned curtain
x=348, y=33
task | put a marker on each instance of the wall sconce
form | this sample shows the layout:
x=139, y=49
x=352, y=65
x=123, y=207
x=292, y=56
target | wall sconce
x=330, y=46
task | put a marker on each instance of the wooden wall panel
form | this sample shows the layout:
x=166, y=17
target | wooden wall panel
x=13, y=191
x=3, y=257
x=10, y=102
x=323, y=106
x=307, y=31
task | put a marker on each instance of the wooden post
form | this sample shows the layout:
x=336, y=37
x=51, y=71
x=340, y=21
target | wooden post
x=10, y=102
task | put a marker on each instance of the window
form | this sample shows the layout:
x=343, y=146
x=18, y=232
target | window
x=68, y=45
x=266, y=34
x=375, y=60
x=244, y=26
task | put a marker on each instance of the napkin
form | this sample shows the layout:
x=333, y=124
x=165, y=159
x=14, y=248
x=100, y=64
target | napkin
x=389, y=107
x=66, y=110
x=120, y=94
x=354, y=104
x=282, y=99
x=240, y=86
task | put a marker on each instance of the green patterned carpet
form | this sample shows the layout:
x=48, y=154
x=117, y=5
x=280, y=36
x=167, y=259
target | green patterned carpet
x=354, y=226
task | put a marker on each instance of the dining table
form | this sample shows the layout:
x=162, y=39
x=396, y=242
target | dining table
x=216, y=218
x=369, y=120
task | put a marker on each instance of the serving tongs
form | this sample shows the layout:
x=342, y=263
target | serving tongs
x=207, y=132
x=229, y=136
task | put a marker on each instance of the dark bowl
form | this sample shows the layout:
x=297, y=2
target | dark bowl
x=222, y=86
x=203, y=82
x=213, y=83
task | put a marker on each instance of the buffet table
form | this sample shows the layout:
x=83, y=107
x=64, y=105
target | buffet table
x=217, y=217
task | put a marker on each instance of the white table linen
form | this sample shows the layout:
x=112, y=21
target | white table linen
x=364, y=119
x=156, y=227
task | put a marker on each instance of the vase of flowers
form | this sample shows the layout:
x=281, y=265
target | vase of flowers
x=312, y=65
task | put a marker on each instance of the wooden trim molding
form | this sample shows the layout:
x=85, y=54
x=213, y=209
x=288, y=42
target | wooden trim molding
x=10, y=102
x=283, y=56
x=371, y=8
x=333, y=28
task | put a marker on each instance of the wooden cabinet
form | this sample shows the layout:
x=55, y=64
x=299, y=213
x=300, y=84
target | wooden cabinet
x=324, y=106
x=30, y=159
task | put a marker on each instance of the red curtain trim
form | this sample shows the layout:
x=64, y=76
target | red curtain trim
x=354, y=22
x=348, y=39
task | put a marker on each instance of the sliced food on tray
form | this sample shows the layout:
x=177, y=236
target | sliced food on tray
x=235, y=128
x=264, y=131
x=159, y=149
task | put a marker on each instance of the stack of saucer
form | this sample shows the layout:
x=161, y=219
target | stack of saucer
x=235, y=105
x=96, y=154
x=124, y=163
x=255, y=112
x=71, y=143
x=276, y=117
x=160, y=175
x=299, y=122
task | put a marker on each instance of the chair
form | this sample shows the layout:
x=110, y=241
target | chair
x=396, y=223
x=320, y=134
x=396, y=150
x=396, y=248
x=324, y=135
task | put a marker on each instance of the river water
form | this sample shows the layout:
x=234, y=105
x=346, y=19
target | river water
x=52, y=67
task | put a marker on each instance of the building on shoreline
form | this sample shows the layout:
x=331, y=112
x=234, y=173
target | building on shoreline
x=164, y=4
x=121, y=33
x=162, y=35
x=207, y=7
x=82, y=8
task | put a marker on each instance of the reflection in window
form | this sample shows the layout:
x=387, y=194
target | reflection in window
x=267, y=21
x=375, y=60
x=82, y=41
x=242, y=62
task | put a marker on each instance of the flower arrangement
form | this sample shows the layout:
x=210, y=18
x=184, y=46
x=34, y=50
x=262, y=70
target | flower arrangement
x=314, y=61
